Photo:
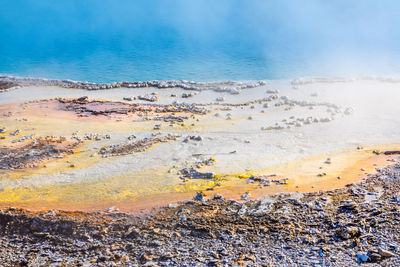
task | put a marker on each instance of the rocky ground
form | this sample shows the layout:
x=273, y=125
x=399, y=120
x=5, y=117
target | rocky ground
x=34, y=152
x=359, y=224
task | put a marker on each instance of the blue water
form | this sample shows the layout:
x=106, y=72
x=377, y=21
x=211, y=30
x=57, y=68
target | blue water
x=113, y=40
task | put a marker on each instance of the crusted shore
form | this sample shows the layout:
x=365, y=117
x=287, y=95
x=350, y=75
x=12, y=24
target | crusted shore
x=358, y=224
x=11, y=82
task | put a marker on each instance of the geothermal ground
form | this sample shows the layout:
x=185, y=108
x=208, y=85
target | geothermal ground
x=343, y=227
x=282, y=152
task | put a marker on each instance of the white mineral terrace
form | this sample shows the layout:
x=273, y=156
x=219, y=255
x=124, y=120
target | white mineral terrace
x=287, y=128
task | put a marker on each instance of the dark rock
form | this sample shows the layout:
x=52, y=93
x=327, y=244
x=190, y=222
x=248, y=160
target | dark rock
x=199, y=197
x=348, y=232
x=392, y=152
x=132, y=233
x=385, y=253
x=362, y=258
x=144, y=258
x=217, y=196
x=83, y=98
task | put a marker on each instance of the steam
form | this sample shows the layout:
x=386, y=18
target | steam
x=205, y=39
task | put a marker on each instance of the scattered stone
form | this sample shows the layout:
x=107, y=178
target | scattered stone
x=131, y=137
x=82, y=99
x=193, y=137
x=385, y=253
x=362, y=258
x=14, y=133
x=199, y=197
x=245, y=196
x=217, y=196
x=348, y=232
x=192, y=173
x=187, y=95
x=149, y=98
x=392, y=152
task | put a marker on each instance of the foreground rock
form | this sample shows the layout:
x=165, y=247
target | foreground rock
x=343, y=227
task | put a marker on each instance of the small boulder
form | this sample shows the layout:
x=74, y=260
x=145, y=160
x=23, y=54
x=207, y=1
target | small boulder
x=199, y=197
x=362, y=258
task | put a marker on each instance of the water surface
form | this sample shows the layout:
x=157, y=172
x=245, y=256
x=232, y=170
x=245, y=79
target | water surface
x=105, y=41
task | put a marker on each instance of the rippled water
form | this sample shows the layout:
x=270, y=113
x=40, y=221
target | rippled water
x=108, y=40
